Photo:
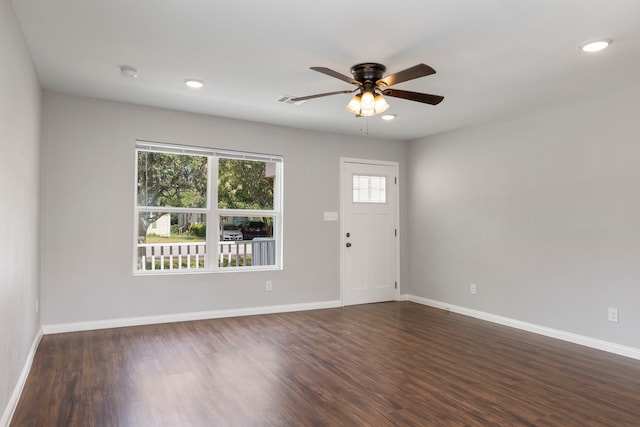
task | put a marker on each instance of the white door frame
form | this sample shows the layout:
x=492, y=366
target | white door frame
x=396, y=165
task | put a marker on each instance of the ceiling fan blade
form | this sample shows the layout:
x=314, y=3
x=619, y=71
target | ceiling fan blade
x=304, y=98
x=414, y=72
x=425, y=98
x=337, y=75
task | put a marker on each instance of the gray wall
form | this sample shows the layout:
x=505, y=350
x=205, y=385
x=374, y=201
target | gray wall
x=541, y=212
x=19, y=206
x=88, y=186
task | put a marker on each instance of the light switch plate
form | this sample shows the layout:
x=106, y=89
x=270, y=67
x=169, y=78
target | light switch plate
x=331, y=216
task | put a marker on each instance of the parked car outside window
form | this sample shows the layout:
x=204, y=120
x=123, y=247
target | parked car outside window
x=231, y=232
x=255, y=229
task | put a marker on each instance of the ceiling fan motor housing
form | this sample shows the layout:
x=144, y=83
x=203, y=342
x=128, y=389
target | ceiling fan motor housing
x=368, y=72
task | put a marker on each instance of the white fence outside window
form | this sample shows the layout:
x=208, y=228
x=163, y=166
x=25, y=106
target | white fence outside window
x=191, y=256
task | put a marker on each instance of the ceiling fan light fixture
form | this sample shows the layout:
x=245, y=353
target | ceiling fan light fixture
x=354, y=106
x=368, y=101
x=381, y=104
x=367, y=112
x=367, y=104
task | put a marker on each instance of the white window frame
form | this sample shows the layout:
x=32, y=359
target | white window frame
x=212, y=212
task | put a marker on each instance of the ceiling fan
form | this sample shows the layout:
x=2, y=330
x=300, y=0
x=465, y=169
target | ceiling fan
x=371, y=86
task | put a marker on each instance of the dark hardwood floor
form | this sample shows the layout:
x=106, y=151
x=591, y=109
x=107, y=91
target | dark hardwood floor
x=388, y=364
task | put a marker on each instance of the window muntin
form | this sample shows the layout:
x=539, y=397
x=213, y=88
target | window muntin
x=176, y=204
x=369, y=189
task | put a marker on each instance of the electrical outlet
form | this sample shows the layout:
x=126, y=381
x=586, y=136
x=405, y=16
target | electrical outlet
x=269, y=285
x=613, y=314
x=473, y=289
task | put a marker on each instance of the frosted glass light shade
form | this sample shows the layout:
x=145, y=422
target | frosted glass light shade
x=367, y=104
x=354, y=105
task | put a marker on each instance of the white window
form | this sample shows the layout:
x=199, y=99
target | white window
x=200, y=209
x=369, y=189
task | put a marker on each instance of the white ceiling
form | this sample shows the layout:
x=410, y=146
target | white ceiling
x=493, y=58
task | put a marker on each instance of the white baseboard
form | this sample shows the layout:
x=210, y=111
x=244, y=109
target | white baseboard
x=216, y=314
x=610, y=347
x=22, y=379
x=183, y=317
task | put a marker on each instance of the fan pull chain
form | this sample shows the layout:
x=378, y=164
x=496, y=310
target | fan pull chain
x=361, y=127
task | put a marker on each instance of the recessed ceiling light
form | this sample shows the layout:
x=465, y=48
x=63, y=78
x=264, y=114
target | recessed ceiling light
x=596, y=46
x=128, y=71
x=388, y=117
x=194, y=84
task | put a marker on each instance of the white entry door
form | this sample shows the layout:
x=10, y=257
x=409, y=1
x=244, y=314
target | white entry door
x=369, y=231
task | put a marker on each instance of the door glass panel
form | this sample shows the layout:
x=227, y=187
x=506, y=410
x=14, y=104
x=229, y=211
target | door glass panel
x=369, y=189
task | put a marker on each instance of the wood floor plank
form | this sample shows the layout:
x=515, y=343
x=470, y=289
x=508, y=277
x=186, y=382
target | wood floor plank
x=387, y=364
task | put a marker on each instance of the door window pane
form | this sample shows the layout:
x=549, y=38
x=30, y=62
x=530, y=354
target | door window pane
x=369, y=189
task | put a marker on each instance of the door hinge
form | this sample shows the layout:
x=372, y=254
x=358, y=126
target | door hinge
x=396, y=285
x=395, y=180
x=396, y=232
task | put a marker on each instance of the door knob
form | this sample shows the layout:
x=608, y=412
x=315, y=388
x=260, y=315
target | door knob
x=348, y=234
x=348, y=244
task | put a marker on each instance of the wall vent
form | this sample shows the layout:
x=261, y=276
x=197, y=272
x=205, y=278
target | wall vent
x=287, y=99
